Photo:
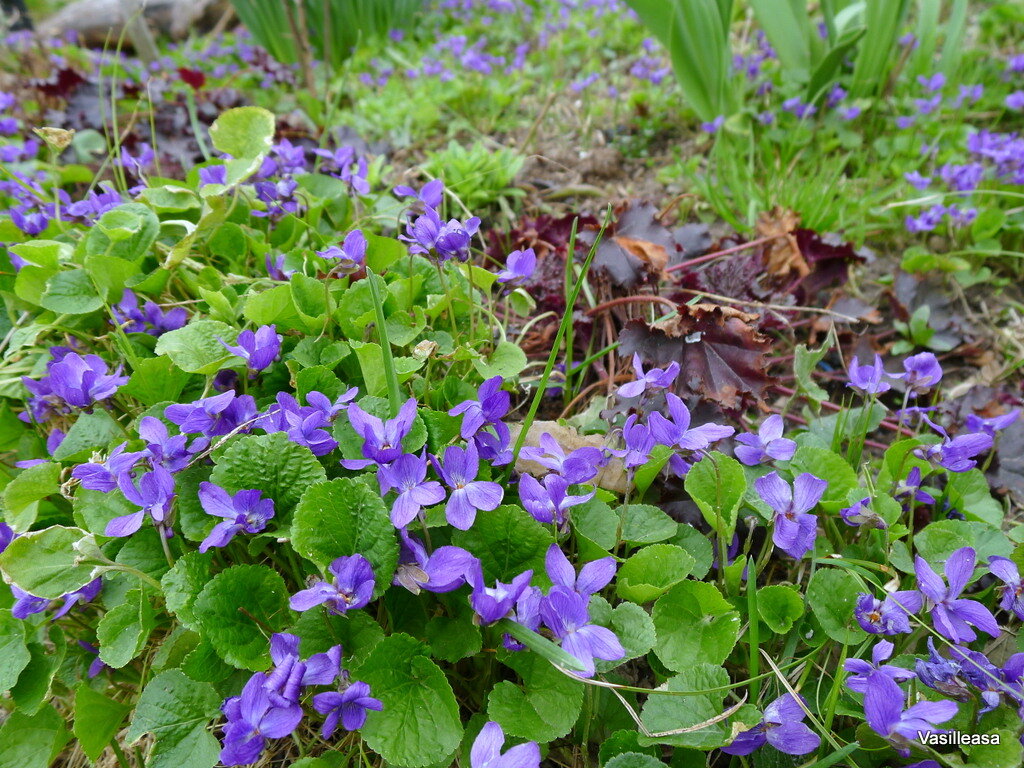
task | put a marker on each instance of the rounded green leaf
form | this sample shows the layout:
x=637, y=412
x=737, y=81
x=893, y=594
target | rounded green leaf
x=694, y=624
x=779, y=607
x=644, y=524
x=71, y=293
x=346, y=516
x=197, y=347
x=46, y=563
x=508, y=541
x=832, y=594
x=177, y=710
x=243, y=132
x=236, y=607
x=544, y=707
x=650, y=573
x=716, y=484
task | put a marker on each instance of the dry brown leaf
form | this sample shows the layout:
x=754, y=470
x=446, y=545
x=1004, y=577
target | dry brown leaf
x=782, y=256
x=651, y=253
x=612, y=476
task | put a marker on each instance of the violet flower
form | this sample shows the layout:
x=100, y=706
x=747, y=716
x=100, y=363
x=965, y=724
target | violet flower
x=103, y=476
x=343, y=163
x=459, y=469
x=488, y=409
x=593, y=576
x=639, y=442
x=149, y=319
x=675, y=431
x=992, y=424
x=85, y=594
x=890, y=616
x=486, y=751
x=922, y=372
x=252, y=719
x=565, y=613
x=1011, y=591
x=352, y=587
x=350, y=257
x=880, y=652
x=428, y=197
x=782, y=727
x=382, y=440
x=154, y=493
x=768, y=443
x=448, y=240
x=548, y=500
x=246, y=511
x=304, y=425
x=173, y=452
x=952, y=615
x=884, y=711
x=96, y=665
x=443, y=570
x=78, y=381
x=912, y=488
x=654, y=379
x=957, y=454
x=407, y=474
x=349, y=706
x=795, y=530
x=579, y=466
x=213, y=416
x=492, y=604
x=519, y=267
x=291, y=674
x=7, y=535
x=259, y=349
x=26, y=605
x=868, y=379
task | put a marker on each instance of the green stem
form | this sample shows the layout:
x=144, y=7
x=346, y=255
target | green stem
x=390, y=376
x=753, y=633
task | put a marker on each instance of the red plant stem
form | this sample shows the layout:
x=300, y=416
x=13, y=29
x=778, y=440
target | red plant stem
x=641, y=299
x=712, y=256
x=833, y=407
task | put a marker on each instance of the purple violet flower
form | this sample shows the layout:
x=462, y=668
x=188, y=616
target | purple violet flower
x=860, y=513
x=407, y=474
x=429, y=197
x=593, y=576
x=349, y=706
x=952, y=615
x=448, y=240
x=548, y=501
x=486, y=751
x=488, y=409
x=213, y=416
x=382, y=440
x=442, y=571
x=794, y=530
x=1011, y=591
x=768, y=443
x=259, y=349
x=782, y=727
x=154, y=493
x=992, y=424
x=459, y=469
x=884, y=711
x=246, y=511
x=519, y=267
x=917, y=181
x=579, y=466
x=492, y=604
x=291, y=674
x=881, y=651
x=922, y=372
x=654, y=379
x=890, y=616
x=350, y=257
x=564, y=612
x=868, y=379
x=104, y=476
x=957, y=454
x=352, y=588
x=252, y=719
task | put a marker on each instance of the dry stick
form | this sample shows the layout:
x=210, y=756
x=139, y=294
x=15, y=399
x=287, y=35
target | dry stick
x=712, y=256
x=774, y=307
x=640, y=299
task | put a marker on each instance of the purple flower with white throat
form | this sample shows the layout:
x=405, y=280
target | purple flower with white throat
x=291, y=674
x=651, y=380
x=350, y=257
x=579, y=466
x=675, y=431
x=957, y=454
x=173, y=452
x=154, y=493
x=103, y=476
x=639, y=442
x=348, y=706
x=77, y=381
x=213, y=416
x=890, y=616
x=459, y=469
x=884, y=711
x=548, y=500
x=782, y=727
x=245, y=511
x=1011, y=591
x=564, y=612
x=921, y=373
x=794, y=530
x=767, y=444
x=868, y=379
x=352, y=587
x=408, y=475
x=382, y=440
x=252, y=719
x=880, y=652
x=492, y=604
x=952, y=615
x=486, y=751
x=593, y=576
x=441, y=571
x=519, y=267
x=259, y=349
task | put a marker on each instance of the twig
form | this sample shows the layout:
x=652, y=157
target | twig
x=775, y=307
x=725, y=252
x=640, y=299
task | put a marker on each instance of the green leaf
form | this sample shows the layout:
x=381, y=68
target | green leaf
x=32, y=741
x=33, y=687
x=823, y=463
x=94, y=509
x=237, y=608
x=176, y=710
x=243, y=132
x=620, y=743
x=71, y=293
x=650, y=573
x=716, y=484
x=196, y=348
x=14, y=654
x=779, y=607
x=356, y=632
x=508, y=541
x=156, y=380
x=91, y=431
x=832, y=594
x=126, y=232
x=507, y=360
x=543, y=708
x=46, y=564
x=969, y=493
x=346, y=516
x=644, y=524
x=805, y=363
x=272, y=464
x=204, y=665
x=596, y=522
x=419, y=724
x=97, y=720
x=694, y=624
x=182, y=584
x=630, y=623
x=668, y=713
x=699, y=547
x=124, y=629
x=22, y=495
x=382, y=252
x=454, y=636
x=634, y=760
